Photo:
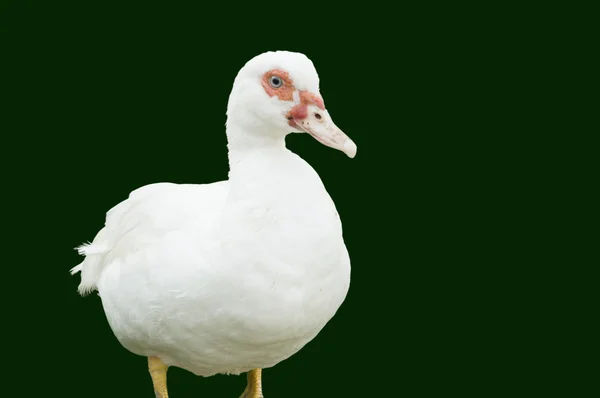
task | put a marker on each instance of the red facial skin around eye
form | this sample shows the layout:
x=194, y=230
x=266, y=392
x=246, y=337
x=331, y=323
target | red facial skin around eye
x=299, y=111
x=285, y=92
x=310, y=98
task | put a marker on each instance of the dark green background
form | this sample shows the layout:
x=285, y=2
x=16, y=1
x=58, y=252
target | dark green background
x=101, y=99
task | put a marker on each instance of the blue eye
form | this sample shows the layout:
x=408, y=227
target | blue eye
x=276, y=81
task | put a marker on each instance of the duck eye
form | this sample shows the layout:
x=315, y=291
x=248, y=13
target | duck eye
x=275, y=81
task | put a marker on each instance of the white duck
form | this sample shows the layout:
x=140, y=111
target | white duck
x=237, y=275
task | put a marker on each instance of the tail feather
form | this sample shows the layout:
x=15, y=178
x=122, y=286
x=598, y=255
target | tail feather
x=88, y=249
x=76, y=269
x=92, y=266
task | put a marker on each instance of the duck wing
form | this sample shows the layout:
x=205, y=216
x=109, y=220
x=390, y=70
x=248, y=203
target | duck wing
x=145, y=217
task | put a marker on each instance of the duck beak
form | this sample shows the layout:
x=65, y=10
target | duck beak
x=317, y=122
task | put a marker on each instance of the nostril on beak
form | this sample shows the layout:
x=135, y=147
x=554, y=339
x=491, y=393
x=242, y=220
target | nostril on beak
x=318, y=116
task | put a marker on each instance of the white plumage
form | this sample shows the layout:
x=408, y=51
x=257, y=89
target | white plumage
x=238, y=274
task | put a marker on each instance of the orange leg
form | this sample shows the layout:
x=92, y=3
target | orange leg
x=158, y=372
x=254, y=387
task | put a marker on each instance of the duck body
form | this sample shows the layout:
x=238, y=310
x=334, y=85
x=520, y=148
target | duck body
x=238, y=275
x=224, y=277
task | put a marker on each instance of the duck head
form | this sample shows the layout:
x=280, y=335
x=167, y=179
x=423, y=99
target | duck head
x=277, y=93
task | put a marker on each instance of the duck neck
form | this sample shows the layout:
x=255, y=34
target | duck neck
x=265, y=175
x=250, y=152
